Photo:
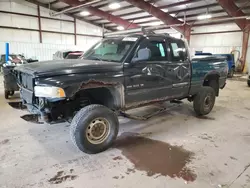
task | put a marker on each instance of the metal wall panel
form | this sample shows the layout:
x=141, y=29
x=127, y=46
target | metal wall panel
x=218, y=43
x=12, y=20
x=52, y=43
x=19, y=6
x=27, y=42
x=216, y=28
x=36, y=50
x=86, y=28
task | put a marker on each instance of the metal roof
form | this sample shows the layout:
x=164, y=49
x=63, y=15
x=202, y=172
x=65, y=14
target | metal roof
x=176, y=8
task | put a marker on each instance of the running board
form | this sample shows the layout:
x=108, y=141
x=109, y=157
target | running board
x=148, y=116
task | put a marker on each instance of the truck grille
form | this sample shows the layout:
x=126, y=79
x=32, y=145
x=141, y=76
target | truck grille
x=25, y=80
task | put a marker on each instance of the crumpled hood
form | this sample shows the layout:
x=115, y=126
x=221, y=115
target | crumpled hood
x=69, y=66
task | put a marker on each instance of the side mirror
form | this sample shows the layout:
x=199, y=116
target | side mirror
x=143, y=55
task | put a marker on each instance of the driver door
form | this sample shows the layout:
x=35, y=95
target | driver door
x=146, y=80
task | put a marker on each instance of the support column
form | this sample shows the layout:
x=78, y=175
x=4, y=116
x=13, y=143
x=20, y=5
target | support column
x=75, y=31
x=187, y=33
x=7, y=52
x=39, y=24
x=245, y=46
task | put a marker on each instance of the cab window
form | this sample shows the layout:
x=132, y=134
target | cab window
x=157, y=48
x=177, y=50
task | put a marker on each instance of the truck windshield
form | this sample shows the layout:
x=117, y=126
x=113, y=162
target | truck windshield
x=110, y=49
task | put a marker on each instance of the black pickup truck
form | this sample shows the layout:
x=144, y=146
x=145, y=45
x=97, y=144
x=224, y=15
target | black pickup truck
x=117, y=74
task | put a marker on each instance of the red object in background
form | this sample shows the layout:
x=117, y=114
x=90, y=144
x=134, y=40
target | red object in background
x=74, y=55
x=16, y=60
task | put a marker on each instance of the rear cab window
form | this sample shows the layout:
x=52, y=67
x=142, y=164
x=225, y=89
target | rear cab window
x=177, y=50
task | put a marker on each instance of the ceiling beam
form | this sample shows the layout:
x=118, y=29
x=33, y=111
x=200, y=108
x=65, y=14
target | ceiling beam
x=185, y=10
x=106, y=4
x=178, y=16
x=218, y=19
x=164, y=17
x=164, y=7
x=67, y=14
x=232, y=10
x=168, y=6
x=54, y=2
x=104, y=15
x=114, y=19
x=121, y=8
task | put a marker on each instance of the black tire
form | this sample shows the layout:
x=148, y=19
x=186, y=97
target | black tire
x=204, y=101
x=248, y=83
x=6, y=94
x=80, y=126
x=231, y=73
x=215, y=85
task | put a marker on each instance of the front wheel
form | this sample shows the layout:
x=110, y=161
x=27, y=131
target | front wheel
x=204, y=101
x=94, y=129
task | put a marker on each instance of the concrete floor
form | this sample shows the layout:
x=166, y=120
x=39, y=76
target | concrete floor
x=33, y=155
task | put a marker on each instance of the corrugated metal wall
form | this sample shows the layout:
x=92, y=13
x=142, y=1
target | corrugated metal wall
x=27, y=42
x=218, y=43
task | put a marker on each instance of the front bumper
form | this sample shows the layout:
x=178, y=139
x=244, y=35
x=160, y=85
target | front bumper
x=34, y=105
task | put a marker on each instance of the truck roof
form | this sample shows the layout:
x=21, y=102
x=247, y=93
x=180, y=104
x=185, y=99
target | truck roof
x=140, y=35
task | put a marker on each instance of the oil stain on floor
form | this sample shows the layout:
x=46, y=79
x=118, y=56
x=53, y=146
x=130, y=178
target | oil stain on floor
x=60, y=177
x=156, y=157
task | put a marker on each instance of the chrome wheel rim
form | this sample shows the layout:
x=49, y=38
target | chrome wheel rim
x=98, y=130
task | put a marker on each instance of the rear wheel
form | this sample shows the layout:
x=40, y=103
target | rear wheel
x=94, y=128
x=6, y=94
x=204, y=101
x=231, y=73
x=248, y=83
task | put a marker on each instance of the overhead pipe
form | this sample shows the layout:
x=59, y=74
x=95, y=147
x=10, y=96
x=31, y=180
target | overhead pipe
x=75, y=7
x=224, y=19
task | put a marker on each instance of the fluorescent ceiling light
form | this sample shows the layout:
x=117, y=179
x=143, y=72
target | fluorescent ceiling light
x=120, y=28
x=156, y=23
x=173, y=15
x=84, y=13
x=114, y=5
x=165, y=10
x=204, y=16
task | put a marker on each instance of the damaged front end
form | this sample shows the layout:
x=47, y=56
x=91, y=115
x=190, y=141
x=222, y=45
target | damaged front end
x=34, y=118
